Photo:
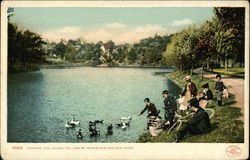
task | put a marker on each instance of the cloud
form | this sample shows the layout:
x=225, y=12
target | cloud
x=69, y=32
x=140, y=32
x=120, y=34
x=182, y=22
x=129, y=35
x=115, y=25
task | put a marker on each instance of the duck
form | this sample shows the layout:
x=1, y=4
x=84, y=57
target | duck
x=127, y=124
x=124, y=126
x=126, y=118
x=110, y=130
x=69, y=125
x=98, y=121
x=118, y=124
x=75, y=122
x=92, y=124
x=94, y=133
x=79, y=134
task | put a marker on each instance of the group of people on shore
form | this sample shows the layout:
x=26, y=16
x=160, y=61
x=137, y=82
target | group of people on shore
x=188, y=99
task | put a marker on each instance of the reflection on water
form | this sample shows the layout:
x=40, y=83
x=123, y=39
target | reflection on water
x=39, y=103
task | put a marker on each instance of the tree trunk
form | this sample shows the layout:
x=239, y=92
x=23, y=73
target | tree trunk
x=202, y=72
x=212, y=66
x=207, y=66
x=226, y=65
x=192, y=68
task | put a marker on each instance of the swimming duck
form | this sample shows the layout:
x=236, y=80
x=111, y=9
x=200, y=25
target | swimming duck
x=79, y=134
x=94, y=133
x=127, y=124
x=98, y=121
x=110, y=130
x=118, y=124
x=69, y=125
x=124, y=126
x=126, y=118
x=75, y=122
x=92, y=124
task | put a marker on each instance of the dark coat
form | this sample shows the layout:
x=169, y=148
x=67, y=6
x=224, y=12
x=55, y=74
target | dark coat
x=200, y=120
x=170, y=105
x=151, y=108
x=208, y=95
x=192, y=89
x=219, y=86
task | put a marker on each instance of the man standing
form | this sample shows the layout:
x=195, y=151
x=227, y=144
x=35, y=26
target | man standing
x=170, y=107
x=198, y=124
x=152, y=111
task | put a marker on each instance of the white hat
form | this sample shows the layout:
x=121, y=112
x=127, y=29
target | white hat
x=187, y=78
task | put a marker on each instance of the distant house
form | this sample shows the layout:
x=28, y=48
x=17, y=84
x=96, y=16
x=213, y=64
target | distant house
x=107, y=51
x=107, y=47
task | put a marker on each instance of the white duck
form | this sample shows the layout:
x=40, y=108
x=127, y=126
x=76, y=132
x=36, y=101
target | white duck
x=75, y=122
x=68, y=125
x=126, y=118
x=124, y=126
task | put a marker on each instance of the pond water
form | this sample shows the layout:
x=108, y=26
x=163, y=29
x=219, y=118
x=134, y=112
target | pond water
x=40, y=103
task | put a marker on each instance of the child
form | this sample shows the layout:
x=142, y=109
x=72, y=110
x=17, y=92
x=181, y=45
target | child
x=152, y=111
x=219, y=87
x=182, y=107
x=169, y=106
x=208, y=95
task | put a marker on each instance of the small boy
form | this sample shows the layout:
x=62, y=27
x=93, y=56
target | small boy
x=170, y=107
x=152, y=111
x=219, y=87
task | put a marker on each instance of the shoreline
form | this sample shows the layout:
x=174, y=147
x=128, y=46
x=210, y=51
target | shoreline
x=226, y=124
x=174, y=81
x=98, y=66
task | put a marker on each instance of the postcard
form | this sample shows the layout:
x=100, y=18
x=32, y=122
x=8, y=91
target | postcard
x=124, y=80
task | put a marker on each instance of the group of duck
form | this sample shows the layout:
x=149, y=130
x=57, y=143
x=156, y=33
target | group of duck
x=92, y=126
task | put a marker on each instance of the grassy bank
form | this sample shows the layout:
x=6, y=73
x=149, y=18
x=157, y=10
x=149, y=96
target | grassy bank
x=231, y=72
x=225, y=127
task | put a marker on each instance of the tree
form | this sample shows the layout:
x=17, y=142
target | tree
x=221, y=38
x=131, y=55
x=60, y=48
x=225, y=41
x=181, y=49
x=70, y=52
x=25, y=49
x=171, y=56
x=10, y=12
x=231, y=20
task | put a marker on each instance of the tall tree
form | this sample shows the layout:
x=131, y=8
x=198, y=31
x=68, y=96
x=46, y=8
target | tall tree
x=25, y=49
x=60, y=48
x=232, y=19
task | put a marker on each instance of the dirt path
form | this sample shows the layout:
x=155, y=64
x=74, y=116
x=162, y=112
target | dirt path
x=236, y=87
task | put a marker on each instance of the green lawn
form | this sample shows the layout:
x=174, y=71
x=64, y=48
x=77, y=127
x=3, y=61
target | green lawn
x=225, y=127
x=232, y=72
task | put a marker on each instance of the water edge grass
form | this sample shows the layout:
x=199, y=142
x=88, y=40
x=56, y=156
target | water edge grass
x=225, y=127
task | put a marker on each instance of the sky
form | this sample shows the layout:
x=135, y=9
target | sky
x=120, y=24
